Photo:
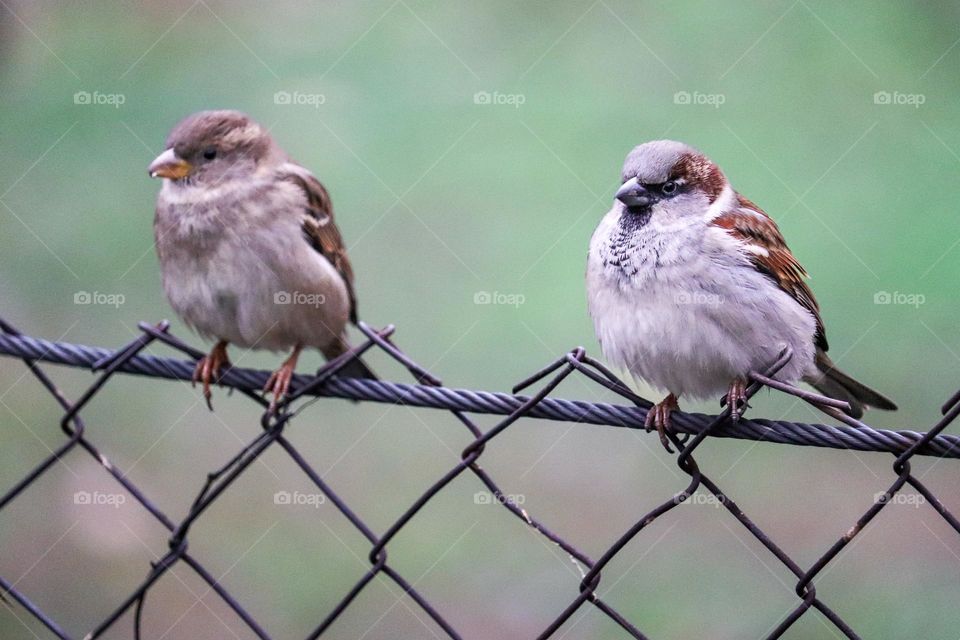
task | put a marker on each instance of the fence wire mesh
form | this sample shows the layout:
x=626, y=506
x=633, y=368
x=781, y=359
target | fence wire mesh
x=428, y=391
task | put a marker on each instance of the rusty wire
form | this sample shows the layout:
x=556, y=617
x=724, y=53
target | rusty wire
x=429, y=392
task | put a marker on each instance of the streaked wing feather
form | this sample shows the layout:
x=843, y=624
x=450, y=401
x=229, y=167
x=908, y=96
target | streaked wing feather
x=750, y=224
x=321, y=231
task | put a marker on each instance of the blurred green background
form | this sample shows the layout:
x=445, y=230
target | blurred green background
x=469, y=148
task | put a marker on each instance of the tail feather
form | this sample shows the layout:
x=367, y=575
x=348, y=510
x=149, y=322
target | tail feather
x=836, y=384
x=356, y=368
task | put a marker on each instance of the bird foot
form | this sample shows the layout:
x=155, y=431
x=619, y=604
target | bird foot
x=658, y=417
x=279, y=381
x=737, y=399
x=209, y=368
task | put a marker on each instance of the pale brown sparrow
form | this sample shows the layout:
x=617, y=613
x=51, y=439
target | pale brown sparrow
x=691, y=286
x=249, y=252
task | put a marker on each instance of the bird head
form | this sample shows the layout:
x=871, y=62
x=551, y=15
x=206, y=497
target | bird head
x=668, y=180
x=210, y=147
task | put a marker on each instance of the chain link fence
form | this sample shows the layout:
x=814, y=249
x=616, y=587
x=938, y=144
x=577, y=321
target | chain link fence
x=428, y=391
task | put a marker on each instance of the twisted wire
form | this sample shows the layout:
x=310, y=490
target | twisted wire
x=492, y=402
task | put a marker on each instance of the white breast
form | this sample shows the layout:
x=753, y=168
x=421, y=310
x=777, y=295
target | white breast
x=686, y=312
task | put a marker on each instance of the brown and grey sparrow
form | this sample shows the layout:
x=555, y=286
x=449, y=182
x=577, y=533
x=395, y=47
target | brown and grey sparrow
x=691, y=287
x=249, y=251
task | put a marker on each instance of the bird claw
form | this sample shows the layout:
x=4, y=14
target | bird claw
x=736, y=397
x=210, y=367
x=658, y=417
x=278, y=383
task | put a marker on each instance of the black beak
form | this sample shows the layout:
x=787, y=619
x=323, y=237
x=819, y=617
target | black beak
x=633, y=194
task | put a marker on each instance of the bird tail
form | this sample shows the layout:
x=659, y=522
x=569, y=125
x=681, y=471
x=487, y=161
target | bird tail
x=356, y=368
x=832, y=382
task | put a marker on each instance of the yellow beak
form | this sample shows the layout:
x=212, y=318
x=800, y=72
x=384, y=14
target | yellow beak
x=168, y=165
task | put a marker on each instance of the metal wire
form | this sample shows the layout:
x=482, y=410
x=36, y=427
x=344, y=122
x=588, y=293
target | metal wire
x=861, y=437
x=429, y=392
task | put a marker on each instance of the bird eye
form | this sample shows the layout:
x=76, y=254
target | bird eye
x=669, y=188
x=210, y=153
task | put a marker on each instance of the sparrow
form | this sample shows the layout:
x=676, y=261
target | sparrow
x=691, y=286
x=249, y=252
